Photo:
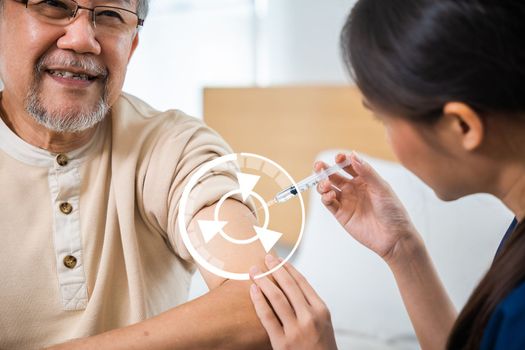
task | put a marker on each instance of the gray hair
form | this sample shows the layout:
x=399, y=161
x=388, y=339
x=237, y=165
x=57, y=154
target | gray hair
x=142, y=8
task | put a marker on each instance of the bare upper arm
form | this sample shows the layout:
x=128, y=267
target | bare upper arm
x=233, y=257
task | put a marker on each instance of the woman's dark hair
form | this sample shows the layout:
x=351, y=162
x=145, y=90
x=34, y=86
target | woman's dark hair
x=411, y=57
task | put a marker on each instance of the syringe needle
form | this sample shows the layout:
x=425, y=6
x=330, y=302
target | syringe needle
x=336, y=188
x=268, y=204
x=271, y=202
x=254, y=212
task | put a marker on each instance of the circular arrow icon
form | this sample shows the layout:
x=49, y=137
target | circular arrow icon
x=210, y=229
x=268, y=238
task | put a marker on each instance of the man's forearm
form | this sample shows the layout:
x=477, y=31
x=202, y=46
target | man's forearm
x=224, y=318
x=428, y=304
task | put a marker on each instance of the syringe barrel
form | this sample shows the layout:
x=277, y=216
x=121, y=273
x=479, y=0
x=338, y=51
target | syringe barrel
x=309, y=182
x=302, y=186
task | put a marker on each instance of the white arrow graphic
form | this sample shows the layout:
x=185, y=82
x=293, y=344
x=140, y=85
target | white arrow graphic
x=267, y=237
x=247, y=183
x=210, y=229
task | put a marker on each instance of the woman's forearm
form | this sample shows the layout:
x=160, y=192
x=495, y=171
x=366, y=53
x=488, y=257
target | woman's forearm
x=428, y=304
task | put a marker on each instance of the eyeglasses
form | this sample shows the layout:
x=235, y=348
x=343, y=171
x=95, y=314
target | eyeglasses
x=106, y=19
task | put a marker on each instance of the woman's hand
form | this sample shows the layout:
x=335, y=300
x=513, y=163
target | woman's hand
x=369, y=210
x=290, y=310
x=366, y=207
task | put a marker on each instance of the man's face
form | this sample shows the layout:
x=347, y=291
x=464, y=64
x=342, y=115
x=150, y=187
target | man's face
x=68, y=74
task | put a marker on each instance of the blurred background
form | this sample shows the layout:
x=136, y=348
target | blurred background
x=187, y=45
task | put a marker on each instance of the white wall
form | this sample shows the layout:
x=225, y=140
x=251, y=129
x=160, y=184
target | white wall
x=188, y=44
x=301, y=42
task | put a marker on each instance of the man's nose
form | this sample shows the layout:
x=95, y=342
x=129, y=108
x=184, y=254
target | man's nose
x=79, y=35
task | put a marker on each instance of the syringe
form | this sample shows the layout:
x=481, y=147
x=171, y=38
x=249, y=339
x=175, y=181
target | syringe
x=307, y=183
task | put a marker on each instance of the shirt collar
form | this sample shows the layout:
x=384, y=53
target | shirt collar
x=26, y=153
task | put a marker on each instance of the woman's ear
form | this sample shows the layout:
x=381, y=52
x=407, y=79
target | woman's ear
x=466, y=123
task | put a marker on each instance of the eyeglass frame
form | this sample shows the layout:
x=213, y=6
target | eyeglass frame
x=140, y=21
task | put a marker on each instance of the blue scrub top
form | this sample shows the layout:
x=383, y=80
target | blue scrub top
x=506, y=327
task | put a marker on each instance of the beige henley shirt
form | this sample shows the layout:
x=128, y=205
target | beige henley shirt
x=89, y=239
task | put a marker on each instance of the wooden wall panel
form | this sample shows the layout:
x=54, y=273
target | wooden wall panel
x=291, y=125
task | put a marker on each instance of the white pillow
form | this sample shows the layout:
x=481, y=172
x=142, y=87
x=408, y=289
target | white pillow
x=357, y=285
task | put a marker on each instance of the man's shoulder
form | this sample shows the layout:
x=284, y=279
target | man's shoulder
x=137, y=125
x=129, y=110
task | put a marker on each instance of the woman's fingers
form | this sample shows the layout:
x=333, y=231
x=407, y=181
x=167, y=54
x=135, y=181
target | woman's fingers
x=319, y=166
x=328, y=195
x=340, y=158
x=308, y=291
x=330, y=201
x=327, y=186
x=265, y=313
x=308, y=330
x=288, y=285
x=336, y=179
x=359, y=169
x=365, y=171
x=275, y=296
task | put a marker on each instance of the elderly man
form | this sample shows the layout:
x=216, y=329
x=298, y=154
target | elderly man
x=90, y=185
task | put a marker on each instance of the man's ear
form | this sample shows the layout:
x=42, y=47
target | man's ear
x=466, y=123
x=134, y=45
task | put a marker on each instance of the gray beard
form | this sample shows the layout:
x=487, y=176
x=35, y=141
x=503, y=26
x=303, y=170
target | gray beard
x=64, y=121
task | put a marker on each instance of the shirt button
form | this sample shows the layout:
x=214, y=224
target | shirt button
x=70, y=261
x=66, y=208
x=62, y=159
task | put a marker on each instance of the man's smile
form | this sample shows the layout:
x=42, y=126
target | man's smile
x=73, y=77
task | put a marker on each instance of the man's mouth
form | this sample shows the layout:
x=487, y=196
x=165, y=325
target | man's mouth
x=71, y=75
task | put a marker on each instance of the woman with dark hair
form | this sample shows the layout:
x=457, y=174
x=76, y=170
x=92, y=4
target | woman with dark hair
x=447, y=79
